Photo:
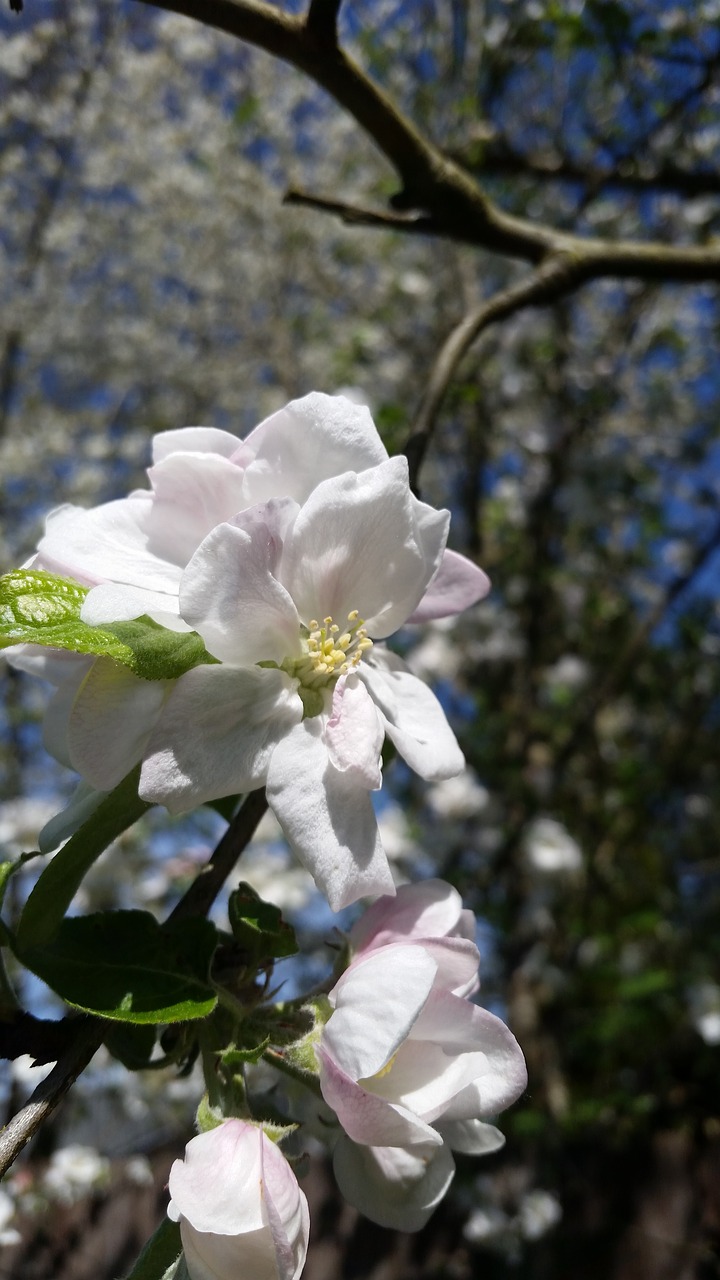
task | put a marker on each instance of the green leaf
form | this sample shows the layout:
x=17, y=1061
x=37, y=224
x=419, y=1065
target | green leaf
x=125, y=966
x=160, y=1255
x=131, y=1045
x=258, y=926
x=157, y=653
x=42, y=608
x=238, y=1057
x=59, y=882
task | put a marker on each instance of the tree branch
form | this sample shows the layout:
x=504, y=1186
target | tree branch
x=548, y=282
x=356, y=215
x=430, y=180
x=321, y=22
x=90, y=1032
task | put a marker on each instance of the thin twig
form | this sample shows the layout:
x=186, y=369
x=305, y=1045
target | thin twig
x=199, y=897
x=196, y=901
x=356, y=215
x=547, y=283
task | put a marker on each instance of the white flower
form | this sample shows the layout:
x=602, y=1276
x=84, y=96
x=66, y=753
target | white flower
x=146, y=554
x=134, y=550
x=550, y=849
x=240, y=1209
x=298, y=701
x=73, y=1171
x=411, y=1068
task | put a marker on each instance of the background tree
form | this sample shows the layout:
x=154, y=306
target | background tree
x=560, y=157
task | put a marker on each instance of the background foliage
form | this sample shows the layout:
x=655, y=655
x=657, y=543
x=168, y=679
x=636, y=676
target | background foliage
x=152, y=277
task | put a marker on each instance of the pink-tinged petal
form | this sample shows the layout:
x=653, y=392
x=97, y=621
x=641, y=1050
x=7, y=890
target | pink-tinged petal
x=308, y=441
x=191, y=494
x=194, y=440
x=217, y=1185
x=457, y=584
x=112, y=717
x=287, y=1212
x=354, y=733
x=377, y=1000
x=367, y=1118
x=112, y=603
x=216, y=734
x=327, y=818
x=357, y=544
x=471, y=1137
x=106, y=544
x=427, y=909
x=393, y=1187
x=414, y=719
x=231, y=596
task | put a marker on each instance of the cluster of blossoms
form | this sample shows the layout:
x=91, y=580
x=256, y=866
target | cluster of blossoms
x=293, y=555
x=410, y=1069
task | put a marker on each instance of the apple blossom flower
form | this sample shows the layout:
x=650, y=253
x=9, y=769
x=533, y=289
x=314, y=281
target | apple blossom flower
x=240, y=1209
x=410, y=1066
x=295, y=703
x=133, y=550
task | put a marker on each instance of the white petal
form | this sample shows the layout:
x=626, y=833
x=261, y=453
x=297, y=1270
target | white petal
x=217, y=733
x=461, y=1027
x=81, y=806
x=414, y=719
x=194, y=440
x=471, y=1137
x=113, y=603
x=327, y=818
x=106, y=544
x=67, y=671
x=231, y=596
x=457, y=584
x=308, y=441
x=358, y=544
x=191, y=494
x=354, y=733
x=110, y=723
x=217, y=1186
x=377, y=1001
x=393, y=1187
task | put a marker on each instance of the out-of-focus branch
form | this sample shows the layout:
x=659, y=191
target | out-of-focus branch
x=89, y=1032
x=499, y=159
x=548, y=282
x=321, y=21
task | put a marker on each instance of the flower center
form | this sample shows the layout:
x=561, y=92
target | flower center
x=328, y=654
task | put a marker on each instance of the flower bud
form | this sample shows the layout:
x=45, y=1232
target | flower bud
x=240, y=1209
